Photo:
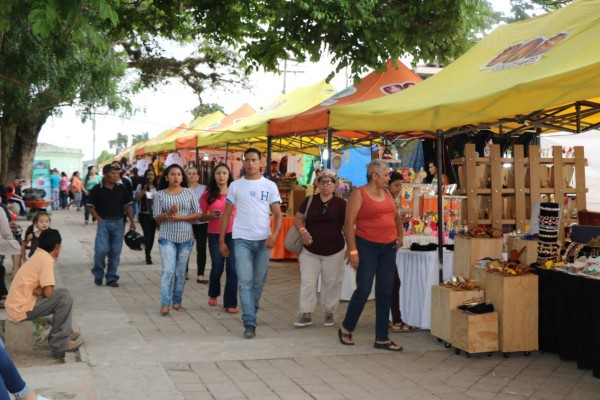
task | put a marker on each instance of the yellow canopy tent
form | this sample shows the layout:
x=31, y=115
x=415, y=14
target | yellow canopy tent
x=168, y=143
x=542, y=72
x=253, y=130
x=141, y=149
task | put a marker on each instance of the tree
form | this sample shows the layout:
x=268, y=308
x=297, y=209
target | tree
x=524, y=9
x=119, y=144
x=104, y=156
x=206, y=108
x=142, y=137
x=74, y=51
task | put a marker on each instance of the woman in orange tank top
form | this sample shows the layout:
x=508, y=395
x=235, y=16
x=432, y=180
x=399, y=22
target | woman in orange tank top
x=373, y=233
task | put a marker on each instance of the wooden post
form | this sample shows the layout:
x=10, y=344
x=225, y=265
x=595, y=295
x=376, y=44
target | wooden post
x=471, y=185
x=534, y=176
x=496, y=178
x=580, y=188
x=559, y=187
x=519, y=203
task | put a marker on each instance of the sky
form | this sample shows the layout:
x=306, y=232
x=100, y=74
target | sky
x=172, y=103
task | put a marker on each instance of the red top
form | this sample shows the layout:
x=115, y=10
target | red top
x=214, y=225
x=376, y=220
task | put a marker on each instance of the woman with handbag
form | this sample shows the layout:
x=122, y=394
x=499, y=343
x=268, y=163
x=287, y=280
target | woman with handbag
x=320, y=220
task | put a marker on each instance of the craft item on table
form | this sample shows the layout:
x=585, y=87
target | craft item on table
x=407, y=198
x=405, y=175
x=548, y=234
x=460, y=283
x=420, y=176
x=418, y=225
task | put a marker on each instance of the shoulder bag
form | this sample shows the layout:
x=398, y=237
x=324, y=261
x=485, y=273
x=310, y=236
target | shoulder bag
x=293, y=239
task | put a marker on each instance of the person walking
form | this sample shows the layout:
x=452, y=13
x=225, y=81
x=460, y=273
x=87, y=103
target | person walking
x=373, y=232
x=55, y=189
x=63, y=186
x=175, y=208
x=145, y=194
x=200, y=228
x=91, y=179
x=107, y=202
x=320, y=226
x=255, y=198
x=76, y=190
x=212, y=204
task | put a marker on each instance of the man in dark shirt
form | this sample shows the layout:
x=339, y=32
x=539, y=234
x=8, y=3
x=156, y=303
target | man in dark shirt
x=106, y=203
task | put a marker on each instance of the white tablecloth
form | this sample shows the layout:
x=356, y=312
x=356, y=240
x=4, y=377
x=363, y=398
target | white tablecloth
x=419, y=271
x=350, y=283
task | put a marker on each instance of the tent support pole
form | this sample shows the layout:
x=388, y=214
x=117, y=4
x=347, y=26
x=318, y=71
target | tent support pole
x=269, y=145
x=578, y=118
x=329, y=140
x=439, y=142
x=197, y=159
x=226, y=152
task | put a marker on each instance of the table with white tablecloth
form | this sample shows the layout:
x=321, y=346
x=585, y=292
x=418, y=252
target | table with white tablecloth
x=423, y=240
x=418, y=271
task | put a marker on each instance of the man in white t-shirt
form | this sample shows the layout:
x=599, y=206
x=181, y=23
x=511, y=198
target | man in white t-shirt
x=255, y=197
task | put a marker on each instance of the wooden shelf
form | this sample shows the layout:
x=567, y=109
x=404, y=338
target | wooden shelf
x=529, y=181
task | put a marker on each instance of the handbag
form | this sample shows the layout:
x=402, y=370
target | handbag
x=293, y=238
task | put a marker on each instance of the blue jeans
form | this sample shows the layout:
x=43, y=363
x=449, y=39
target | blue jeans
x=375, y=260
x=109, y=242
x=55, y=198
x=251, y=263
x=175, y=258
x=10, y=379
x=218, y=264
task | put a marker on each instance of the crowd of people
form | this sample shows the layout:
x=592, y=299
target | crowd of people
x=232, y=217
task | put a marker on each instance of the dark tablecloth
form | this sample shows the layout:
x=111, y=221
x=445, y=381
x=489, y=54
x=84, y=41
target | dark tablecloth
x=569, y=318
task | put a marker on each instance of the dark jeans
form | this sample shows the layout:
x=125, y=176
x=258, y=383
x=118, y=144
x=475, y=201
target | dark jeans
x=201, y=236
x=376, y=260
x=149, y=228
x=64, y=199
x=395, y=301
x=3, y=290
x=218, y=264
x=86, y=212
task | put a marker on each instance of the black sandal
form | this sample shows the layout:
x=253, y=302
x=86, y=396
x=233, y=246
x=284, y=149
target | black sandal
x=347, y=336
x=387, y=346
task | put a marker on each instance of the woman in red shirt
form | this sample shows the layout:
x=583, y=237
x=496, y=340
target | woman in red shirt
x=373, y=233
x=212, y=204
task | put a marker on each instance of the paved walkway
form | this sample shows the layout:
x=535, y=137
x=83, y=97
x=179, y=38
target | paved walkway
x=131, y=352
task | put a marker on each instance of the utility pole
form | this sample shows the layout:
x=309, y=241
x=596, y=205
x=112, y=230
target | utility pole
x=93, y=138
x=286, y=70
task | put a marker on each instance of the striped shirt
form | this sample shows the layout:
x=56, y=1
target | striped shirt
x=176, y=231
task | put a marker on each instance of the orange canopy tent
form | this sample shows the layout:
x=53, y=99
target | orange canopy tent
x=395, y=78
x=190, y=141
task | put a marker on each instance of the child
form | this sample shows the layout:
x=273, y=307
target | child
x=41, y=221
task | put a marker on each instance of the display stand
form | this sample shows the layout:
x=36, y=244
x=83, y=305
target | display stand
x=474, y=333
x=529, y=255
x=443, y=301
x=515, y=298
x=468, y=250
x=502, y=190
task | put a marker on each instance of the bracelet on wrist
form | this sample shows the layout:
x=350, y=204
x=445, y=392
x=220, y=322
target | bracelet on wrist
x=353, y=252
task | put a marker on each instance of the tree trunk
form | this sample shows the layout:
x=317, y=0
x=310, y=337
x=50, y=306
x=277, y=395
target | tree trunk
x=19, y=141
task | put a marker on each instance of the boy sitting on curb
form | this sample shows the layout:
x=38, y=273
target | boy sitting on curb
x=32, y=295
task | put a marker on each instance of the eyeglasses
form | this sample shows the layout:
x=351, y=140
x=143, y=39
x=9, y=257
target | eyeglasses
x=324, y=208
x=326, y=183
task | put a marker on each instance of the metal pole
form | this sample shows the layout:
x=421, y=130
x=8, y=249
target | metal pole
x=226, y=152
x=269, y=144
x=93, y=138
x=329, y=140
x=197, y=160
x=440, y=197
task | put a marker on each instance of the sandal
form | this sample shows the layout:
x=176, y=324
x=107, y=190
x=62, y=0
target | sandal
x=390, y=346
x=179, y=307
x=232, y=310
x=164, y=310
x=401, y=327
x=212, y=301
x=345, y=338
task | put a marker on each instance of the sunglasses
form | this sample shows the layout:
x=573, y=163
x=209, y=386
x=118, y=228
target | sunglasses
x=326, y=183
x=324, y=208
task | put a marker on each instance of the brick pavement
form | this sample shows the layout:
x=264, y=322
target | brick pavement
x=132, y=352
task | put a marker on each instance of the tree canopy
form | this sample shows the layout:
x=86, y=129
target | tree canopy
x=75, y=52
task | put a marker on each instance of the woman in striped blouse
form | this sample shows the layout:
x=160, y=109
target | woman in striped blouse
x=175, y=207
